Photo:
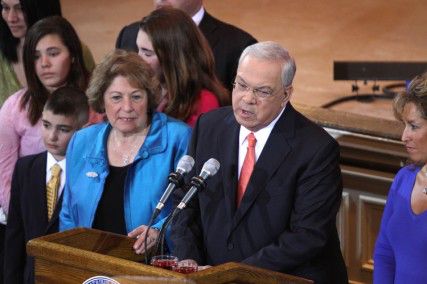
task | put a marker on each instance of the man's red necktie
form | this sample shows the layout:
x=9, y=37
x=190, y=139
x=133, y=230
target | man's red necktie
x=247, y=168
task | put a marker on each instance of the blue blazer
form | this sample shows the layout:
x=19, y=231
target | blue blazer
x=147, y=177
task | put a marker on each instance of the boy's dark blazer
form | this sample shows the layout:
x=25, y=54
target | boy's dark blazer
x=27, y=218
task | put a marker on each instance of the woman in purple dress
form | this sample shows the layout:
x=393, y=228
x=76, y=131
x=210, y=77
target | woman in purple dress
x=401, y=249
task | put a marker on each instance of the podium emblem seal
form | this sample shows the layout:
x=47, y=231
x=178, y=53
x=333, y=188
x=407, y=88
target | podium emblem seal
x=100, y=280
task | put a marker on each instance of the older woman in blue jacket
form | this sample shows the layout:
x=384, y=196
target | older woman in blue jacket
x=118, y=170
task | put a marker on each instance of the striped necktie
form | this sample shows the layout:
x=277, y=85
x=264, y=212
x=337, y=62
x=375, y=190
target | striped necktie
x=52, y=189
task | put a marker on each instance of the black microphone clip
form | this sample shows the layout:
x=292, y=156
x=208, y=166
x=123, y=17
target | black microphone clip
x=199, y=182
x=176, y=178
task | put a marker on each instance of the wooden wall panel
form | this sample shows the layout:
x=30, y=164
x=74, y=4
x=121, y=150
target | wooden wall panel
x=370, y=213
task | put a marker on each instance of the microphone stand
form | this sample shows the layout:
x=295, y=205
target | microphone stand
x=176, y=179
x=161, y=237
x=145, y=238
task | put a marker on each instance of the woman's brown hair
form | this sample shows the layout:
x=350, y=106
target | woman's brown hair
x=416, y=94
x=186, y=60
x=126, y=64
x=36, y=95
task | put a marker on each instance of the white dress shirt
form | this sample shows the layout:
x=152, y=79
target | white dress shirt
x=197, y=18
x=261, y=137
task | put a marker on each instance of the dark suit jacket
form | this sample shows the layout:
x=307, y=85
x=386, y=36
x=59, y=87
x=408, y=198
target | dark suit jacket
x=286, y=220
x=227, y=43
x=27, y=218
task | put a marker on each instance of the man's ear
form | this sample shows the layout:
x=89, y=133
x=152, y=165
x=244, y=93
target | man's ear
x=287, y=94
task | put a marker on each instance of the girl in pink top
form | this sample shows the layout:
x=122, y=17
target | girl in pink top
x=182, y=60
x=52, y=56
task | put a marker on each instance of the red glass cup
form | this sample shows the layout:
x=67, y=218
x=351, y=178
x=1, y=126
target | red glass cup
x=164, y=261
x=186, y=266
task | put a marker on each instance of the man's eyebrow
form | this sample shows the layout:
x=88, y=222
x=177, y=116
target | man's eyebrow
x=261, y=87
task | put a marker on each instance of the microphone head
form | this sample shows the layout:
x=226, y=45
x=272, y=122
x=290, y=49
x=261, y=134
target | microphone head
x=185, y=164
x=211, y=167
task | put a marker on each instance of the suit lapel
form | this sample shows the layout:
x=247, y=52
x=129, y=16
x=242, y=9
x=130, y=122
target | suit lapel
x=272, y=157
x=208, y=26
x=39, y=189
x=228, y=150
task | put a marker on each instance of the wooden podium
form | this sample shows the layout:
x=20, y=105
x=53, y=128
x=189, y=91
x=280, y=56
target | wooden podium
x=76, y=255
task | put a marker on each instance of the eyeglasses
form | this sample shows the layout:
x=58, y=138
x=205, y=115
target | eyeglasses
x=263, y=92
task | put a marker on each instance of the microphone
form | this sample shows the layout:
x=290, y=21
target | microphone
x=210, y=168
x=184, y=166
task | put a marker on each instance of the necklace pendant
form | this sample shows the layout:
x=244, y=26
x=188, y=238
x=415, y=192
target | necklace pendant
x=425, y=190
x=126, y=160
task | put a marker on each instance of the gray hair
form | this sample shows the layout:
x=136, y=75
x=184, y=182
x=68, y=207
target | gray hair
x=273, y=51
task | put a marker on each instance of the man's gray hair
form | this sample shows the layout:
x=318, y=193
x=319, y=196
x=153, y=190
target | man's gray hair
x=270, y=50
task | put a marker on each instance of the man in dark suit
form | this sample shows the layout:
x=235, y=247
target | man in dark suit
x=32, y=211
x=227, y=41
x=278, y=213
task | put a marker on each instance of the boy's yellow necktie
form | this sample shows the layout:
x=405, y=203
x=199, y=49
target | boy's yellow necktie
x=52, y=189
